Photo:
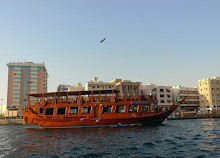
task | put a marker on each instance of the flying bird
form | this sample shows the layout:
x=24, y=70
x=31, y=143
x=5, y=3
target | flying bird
x=103, y=40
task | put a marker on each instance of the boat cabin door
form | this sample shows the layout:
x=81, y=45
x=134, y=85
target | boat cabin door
x=97, y=111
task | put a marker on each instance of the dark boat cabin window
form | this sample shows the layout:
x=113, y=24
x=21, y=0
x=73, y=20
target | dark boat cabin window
x=73, y=110
x=41, y=110
x=86, y=110
x=144, y=108
x=120, y=109
x=61, y=111
x=107, y=109
x=130, y=108
x=49, y=111
x=135, y=108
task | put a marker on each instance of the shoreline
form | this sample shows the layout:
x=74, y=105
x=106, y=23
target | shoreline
x=9, y=122
x=6, y=122
x=193, y=116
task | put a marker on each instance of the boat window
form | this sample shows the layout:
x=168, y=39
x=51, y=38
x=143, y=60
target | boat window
x=120, y=109
x=130, y=107
x=107, y=109
x=41, y=110
x=61, y=111
x=135, y=108
x=73, y=110
x=49, y=111
x=144, y=108
x=86, y=110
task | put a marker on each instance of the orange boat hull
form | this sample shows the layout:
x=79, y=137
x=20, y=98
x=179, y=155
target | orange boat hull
x=123, y=120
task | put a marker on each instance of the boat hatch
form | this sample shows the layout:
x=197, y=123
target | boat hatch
x=120, y=109
x=49, y=111
x=107, y=109
x=61, y=111
x=86, y=110
x=73, y=110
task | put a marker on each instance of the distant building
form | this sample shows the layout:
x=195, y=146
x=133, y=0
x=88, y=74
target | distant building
x=95, y=84
x=163, y=94
x=25, y=78
x=62, y=88
x=148, y=89
x=190, y=95
x=209, y=93
x=77, y=87
x=127, y=88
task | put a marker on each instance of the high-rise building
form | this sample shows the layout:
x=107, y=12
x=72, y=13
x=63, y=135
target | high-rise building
x=209, y=93
x=25, y=78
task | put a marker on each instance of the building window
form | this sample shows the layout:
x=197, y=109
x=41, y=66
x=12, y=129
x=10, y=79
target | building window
x=168, y=90
x=162, y=101
x=161, y=90
x=168, y=96
x=161, y=96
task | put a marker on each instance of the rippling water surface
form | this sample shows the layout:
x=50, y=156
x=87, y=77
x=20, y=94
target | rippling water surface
x=175, y=138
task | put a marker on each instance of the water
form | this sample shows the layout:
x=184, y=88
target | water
x=175, y=138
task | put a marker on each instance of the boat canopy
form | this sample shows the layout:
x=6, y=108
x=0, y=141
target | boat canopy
x=74, y=93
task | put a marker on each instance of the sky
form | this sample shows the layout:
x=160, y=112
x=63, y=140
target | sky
x=162, y=42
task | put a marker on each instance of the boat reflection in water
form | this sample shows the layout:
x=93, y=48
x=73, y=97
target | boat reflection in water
x=92, y=109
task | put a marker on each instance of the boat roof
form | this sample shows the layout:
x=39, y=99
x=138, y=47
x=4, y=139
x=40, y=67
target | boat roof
x=52, y=94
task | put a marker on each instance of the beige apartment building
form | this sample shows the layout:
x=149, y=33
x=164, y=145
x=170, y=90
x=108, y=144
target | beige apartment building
x=95, y=84
x=77, y=87
x=163, y=94
x=191, y=96
x=209, y=93
x=127, y=88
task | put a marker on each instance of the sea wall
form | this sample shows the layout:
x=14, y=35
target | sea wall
x=4, y=122
x=196, y=116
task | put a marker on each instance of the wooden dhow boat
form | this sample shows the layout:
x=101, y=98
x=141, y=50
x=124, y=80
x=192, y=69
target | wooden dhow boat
x=92, y=109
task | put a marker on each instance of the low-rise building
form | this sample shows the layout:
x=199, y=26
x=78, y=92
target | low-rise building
x=190, y=95
x=95, y=84
x=127, y=88
x=62, y=88
x=163, y=94
x=77, y=87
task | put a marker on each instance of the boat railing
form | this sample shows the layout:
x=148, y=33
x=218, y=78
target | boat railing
x=83, y=99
